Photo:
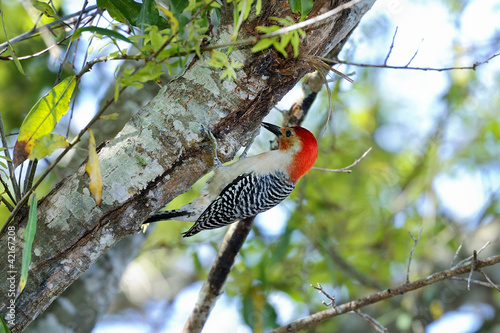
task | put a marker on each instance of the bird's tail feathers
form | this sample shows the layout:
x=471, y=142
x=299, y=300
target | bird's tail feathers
x=168, y=215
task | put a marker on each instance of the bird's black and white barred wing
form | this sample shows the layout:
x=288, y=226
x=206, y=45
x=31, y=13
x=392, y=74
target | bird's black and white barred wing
x=246, y=196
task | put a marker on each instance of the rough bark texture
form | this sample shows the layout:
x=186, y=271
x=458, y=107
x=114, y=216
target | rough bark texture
x=159, y=154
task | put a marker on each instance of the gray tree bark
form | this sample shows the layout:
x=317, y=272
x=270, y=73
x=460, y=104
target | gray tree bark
x=160, y=153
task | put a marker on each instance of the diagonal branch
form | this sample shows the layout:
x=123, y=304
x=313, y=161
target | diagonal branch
x=54, y=24
x=212, y=286
x=304, y=323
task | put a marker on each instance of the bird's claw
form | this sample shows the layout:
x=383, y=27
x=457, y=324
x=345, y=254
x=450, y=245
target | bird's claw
x=206, y=129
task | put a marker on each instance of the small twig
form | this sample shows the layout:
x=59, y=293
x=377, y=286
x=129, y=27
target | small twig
x=320, y=289
x=456, y=255
x=473, y=67
x=78, y=21
x=390, y=48
x=472, y=281
x=416, y=52
x=347, y=169
x=17, y=191
x=54, y=24
x=34, y=55
x=372, y=321
x=411, y=252
x=315, y=318
x=6, y=187
x=473, y=267
x=491, y=283
x=30, y=175
x=7, y=204
x=461, y=262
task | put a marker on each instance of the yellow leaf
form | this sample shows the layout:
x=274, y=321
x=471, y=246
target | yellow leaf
x=46, y=145
x=173, y=21
x=110, y=116
x=94, y=170
x=42, y=118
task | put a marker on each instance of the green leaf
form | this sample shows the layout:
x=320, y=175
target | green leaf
x=148, y=15
x=295, y=40
x=4, y=328
x=262, y=45
x=16, y=60
x=301, y=6
x=28, y=236
x=46, y=145
x=280, y=48
x=45, y=8
x=178, y=6
x=43, y=117
x=258, y=7
x=125, y=11
x=103, y=32
x=174, y=20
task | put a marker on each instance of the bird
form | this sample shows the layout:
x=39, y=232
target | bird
x=251, y=185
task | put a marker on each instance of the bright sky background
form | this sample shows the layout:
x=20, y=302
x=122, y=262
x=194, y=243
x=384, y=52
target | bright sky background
x=463, y=195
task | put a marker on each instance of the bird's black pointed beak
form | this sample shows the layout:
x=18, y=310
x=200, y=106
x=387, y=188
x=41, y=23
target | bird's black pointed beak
x=272, y=128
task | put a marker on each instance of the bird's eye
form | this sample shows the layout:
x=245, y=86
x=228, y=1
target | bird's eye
x=288, y=134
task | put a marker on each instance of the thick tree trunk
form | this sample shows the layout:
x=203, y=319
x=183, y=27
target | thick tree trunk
x=160, y=153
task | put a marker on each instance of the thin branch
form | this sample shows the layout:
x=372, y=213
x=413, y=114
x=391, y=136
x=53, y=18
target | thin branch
x=372, y=321
x=473, y=67
x=34, y=31
x=415, y=54
x=390, y=48
x=473, y=267
x=305, y=323
x=411, y=252
x=7, y=204
x=17, y=191
x=461, y=262
x=491, y=283
x=34, y=55
x=6, y=187
x=456, y=254
x=320, y=289
x=347, y=169
x=212, y=286
x=30, y=175
x=63, y=61
x=480, y=283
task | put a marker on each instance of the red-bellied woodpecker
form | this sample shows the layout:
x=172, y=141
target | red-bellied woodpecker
x=251, y=185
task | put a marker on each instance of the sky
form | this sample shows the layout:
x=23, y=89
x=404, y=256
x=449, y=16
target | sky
x=425, y=26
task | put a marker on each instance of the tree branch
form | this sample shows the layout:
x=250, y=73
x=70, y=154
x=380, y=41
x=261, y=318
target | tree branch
x=415, y=240
x=53, y=24
x=348, y=168
x=473, y=67
x=212, y=286
x=305, y=323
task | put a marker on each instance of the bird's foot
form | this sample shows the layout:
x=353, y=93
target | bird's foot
x=217, y=162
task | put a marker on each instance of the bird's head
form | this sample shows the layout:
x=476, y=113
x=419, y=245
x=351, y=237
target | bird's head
x=300, y=144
